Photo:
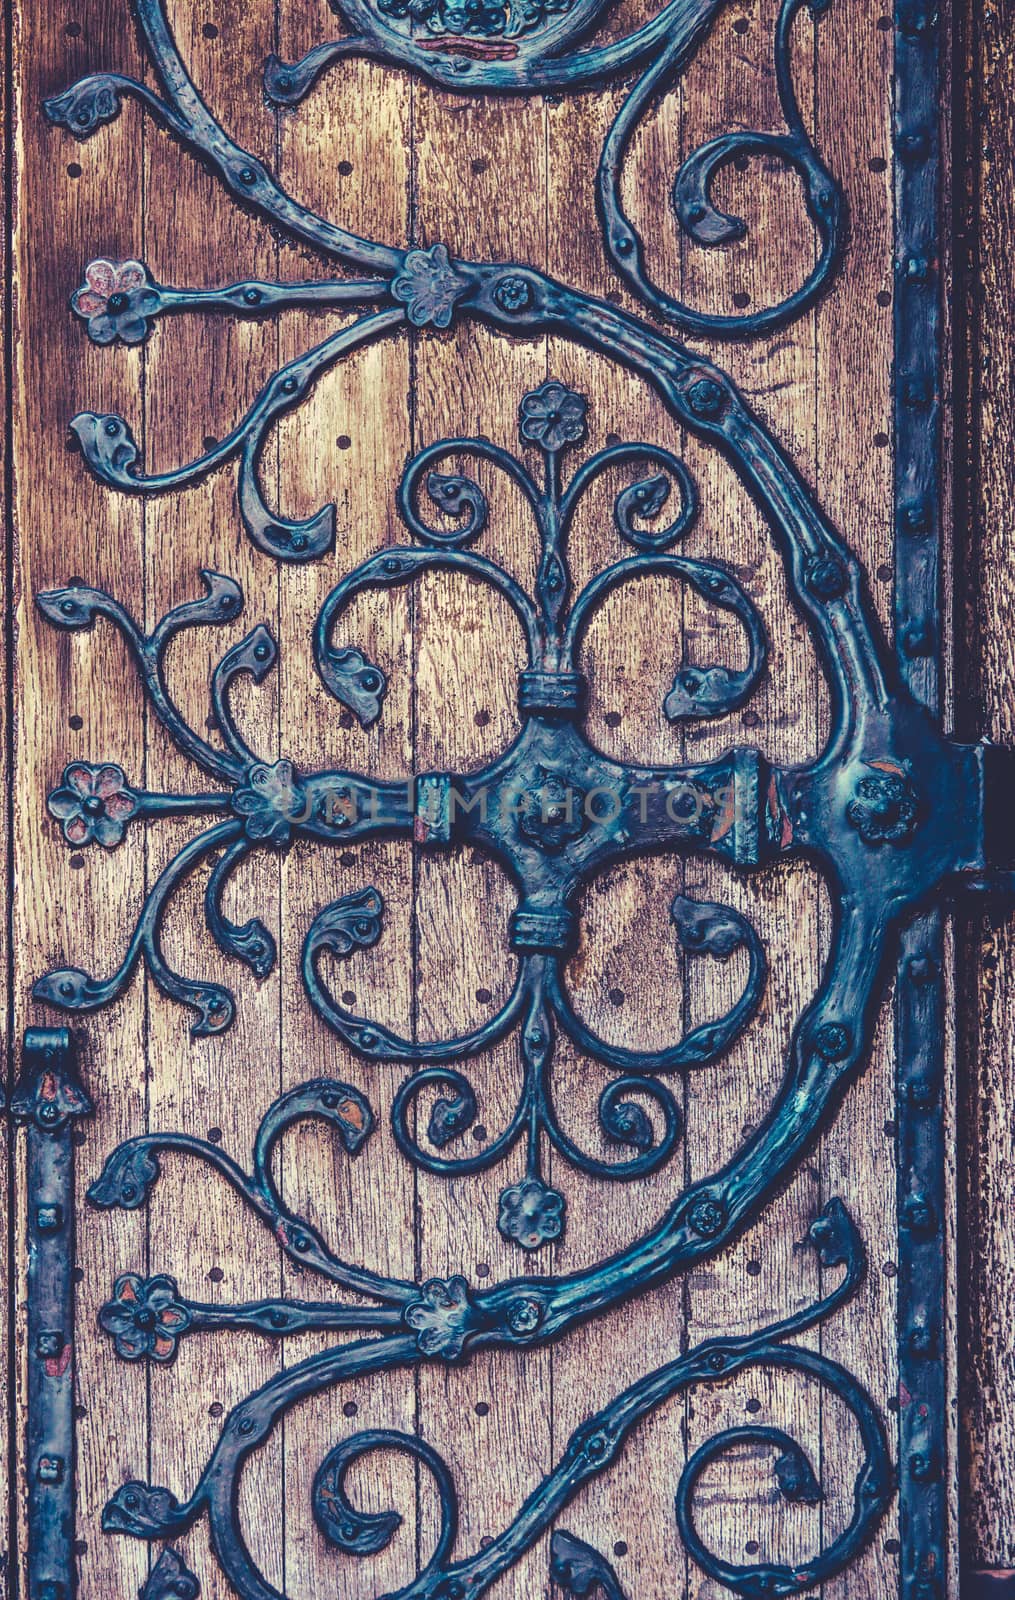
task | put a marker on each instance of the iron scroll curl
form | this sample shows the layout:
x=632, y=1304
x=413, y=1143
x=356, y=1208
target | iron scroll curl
x=877, y=787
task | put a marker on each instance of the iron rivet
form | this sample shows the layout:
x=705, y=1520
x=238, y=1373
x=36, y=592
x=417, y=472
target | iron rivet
x=252, y=297
x=922, y=1342
x=826, y=577
x=916, y=516
x=917, y=393
x=922, y=1093
x=706, y=398
x=921, y=1467
x=247, y=1425
x=918, y=639
x=247, y=175
x=916, y=269
x=832, y=1040
x=922, y=970
x=524, y=1315
x=49, y=1219
x=513, y=293
x=51, y=1469
x=624, y=245
x=917, y=1213
x=912, y=145
x=706, y=1217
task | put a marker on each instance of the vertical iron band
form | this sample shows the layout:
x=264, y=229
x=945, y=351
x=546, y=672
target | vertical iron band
x=919, y=1013
x=48, y=1099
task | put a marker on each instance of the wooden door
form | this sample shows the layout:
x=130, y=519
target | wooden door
x=502, y=674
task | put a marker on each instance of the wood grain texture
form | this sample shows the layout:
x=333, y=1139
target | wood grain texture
x=493, y=178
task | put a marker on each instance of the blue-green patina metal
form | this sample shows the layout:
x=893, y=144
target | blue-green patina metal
x=893, y=813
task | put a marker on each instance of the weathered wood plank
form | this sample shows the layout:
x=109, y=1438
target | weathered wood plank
x=854, y=479
x=346, y=152
x=219, y=1087
x=71, y=906
x=480, y=185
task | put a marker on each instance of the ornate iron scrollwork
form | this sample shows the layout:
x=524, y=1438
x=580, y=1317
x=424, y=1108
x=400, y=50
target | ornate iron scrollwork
x=445, y=1321
x=891, y=811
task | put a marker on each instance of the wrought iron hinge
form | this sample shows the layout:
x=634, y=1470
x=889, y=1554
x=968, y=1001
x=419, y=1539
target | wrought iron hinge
x=47, y=1100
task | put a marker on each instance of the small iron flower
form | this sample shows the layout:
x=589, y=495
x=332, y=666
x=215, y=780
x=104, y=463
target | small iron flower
x=93, y=804
x=116, y=300
x=269, y=802
x=883, y=808
x=531, y=1214
x=552, y=416
x=429, y=286
x=441, y=1317
x=145, y=1317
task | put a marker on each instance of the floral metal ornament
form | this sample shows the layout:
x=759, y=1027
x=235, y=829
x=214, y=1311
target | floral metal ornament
x=475, y=45
x=429, y=287
x=145, y=1317
x=552, y=809
x=443, y=1321
x=93, y=804
x=531, y=1214
x=114, y=301
x=888, y=781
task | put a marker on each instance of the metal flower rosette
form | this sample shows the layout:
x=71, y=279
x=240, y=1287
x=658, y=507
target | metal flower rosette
x=890, y=811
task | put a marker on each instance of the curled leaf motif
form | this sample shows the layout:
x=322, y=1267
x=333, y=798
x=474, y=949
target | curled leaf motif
x=702, y=692
x=357, y=684
x=457, y=496
x=834, y=1235
x=126, y=1178
x=450, y=1118
x=144, y=1511
x=94, y=804
x=359, y=1533
x=706, y=928
x=795, y=1477
x=531, y=1214
x=625, y=1120
x=579, y=1570
x=429, y=286
x=351, y=922
x=84, y=106
x=145, y=1317
x=442, y=1317
x=109, y=447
